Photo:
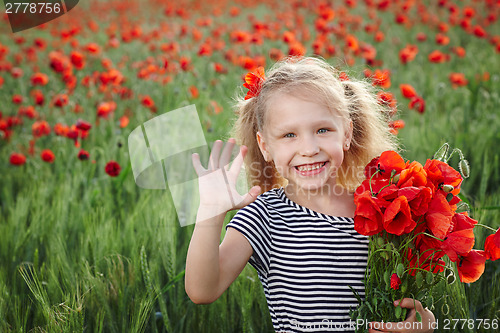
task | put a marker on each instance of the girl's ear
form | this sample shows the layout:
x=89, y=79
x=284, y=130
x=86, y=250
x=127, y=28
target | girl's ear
x=262, y=146
x=348, y=135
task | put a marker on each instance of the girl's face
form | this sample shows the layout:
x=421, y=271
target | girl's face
x=305, y=140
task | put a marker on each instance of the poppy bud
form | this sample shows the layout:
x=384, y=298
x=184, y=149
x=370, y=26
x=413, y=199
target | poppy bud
x=447, y=188
x=464, y=168
x=380, y=241
x=395, y=179
x=429, y=278
x=430, y=302
x=463, y=207
x=400, y=269
x=404, y=286
x=419, y=279
x=387, y=279
x=442, y=152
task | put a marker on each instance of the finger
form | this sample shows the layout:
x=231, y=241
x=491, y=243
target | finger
x=198, y=168
x=409, y=303
x=213, y=162
x=249, y=197
x=238, y=161
x=226, y=153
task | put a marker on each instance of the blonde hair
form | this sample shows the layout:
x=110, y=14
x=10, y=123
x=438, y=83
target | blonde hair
x=314, y=79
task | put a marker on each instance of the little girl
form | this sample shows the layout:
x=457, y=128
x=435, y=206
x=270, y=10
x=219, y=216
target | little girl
x=306, y=132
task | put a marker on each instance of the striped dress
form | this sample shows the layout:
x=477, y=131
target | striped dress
x=306, y=262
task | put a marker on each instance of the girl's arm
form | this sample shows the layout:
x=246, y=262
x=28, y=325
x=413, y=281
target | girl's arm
x=210, y=267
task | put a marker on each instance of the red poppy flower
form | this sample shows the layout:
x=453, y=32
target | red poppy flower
x=407, y=90
x=60, y=129
x=253, y=82
x=16, y=72
x=352, y=42
x=408, y=53
x=439, y=216
x=40, y=79
x=368, y=218
x=461, y=221
x=458, y=243
x=425, y=262
x=492, y=251
x=471, y=267
x=38, y=97
x=17, y=99
x=77, y=59
x=397, y=217
x=194, y=92
x=47, y=155
x=112, y=168
x=185, y=63
x=439, y=172
x=389, y=162
x=83, y=125
x=17, y=159
x=296, y=49
x=83, y=155
x=40, y=128
x=418, y=198
x=105, y=108
x=395, y=281
x=442, y=39
x=124, y=121
x=421, y=37
x=413, y=175
x=418, y=103
x=496, y=238
x=458, y=80
x=438, y=57
x=382, y=78
x=61, y=100
x=387, y=98
x=147, y=101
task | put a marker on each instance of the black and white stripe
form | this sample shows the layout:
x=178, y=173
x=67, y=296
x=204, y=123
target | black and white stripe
x=306, y=262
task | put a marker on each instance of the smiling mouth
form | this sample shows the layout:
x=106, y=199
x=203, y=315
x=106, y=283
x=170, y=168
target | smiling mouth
x=310, y=167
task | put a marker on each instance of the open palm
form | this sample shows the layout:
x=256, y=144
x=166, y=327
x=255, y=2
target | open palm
x=217, y=183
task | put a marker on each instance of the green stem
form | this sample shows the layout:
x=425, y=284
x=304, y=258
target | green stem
x=431, y=236
x=371, y=190
x=486, y=226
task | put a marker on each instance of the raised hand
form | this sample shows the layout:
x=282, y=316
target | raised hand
x=217, y=183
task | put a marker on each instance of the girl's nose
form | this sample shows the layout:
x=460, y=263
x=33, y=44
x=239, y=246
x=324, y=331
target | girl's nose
x=309, y=147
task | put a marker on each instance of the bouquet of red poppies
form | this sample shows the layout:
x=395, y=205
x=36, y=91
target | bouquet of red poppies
x=419, y=228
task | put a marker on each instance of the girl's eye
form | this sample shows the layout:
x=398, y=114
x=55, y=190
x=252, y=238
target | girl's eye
x=289, y=135
x=323, y=130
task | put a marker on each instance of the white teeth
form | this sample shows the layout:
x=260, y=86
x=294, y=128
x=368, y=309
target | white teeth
x=310, y=167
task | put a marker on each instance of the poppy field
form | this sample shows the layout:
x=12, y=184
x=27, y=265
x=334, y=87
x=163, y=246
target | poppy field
x=84, y=249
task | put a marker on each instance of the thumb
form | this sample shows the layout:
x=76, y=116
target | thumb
x=249, y=197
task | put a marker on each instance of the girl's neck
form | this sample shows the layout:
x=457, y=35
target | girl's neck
x=334, y=203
